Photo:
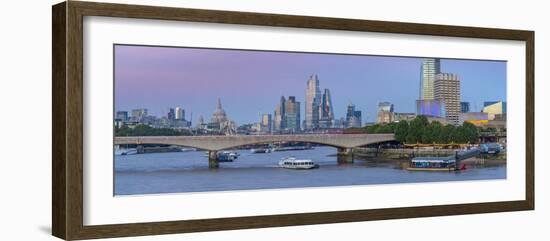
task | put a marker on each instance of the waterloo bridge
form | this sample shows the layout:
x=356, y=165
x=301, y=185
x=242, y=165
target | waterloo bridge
x=343, y=142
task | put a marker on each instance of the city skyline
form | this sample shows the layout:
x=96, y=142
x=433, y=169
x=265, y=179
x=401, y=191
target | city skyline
x=250, y=83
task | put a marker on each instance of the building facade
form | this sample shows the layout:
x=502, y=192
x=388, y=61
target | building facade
x=326, y=113
x=353, y=117
x=292, y=115
x=279, y=115
x=313, y=101
x=464, y=107
x=179, y=113
x=122, y=116
x=139, y=114
x=385, y=113
x=429, y=69
x=495, y=109
x=430, y=108
x=447, y=89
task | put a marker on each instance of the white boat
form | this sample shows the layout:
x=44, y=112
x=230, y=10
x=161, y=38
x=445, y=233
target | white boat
x=185, y=149
x=293, y=163
x=260, y=150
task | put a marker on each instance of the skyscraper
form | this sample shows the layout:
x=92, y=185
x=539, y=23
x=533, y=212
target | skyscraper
x=266, y=123
x=180, y=113
x=313, y=99
x=464, y=107
x=353, y=117
x=292, y=114
x=278, y=116
x=122, y=115
x=385, y=112
x=429, y=69
x=171, y=114
x=138, y=114
x=326, y=114
x=447, y=89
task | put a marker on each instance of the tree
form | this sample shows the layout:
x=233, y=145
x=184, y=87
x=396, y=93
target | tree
x=416, y=129
x=401, y=130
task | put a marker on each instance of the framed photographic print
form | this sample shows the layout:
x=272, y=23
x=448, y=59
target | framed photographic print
x=171, y=120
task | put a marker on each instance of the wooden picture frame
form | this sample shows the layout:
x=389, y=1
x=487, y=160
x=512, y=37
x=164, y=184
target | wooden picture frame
x=67, y=124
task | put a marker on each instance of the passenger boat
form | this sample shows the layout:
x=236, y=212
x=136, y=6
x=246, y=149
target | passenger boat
x=293, y=163
x=260, y=150
x=433, y=164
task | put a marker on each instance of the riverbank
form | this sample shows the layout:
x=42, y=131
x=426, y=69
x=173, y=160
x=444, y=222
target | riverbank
x=407, y=154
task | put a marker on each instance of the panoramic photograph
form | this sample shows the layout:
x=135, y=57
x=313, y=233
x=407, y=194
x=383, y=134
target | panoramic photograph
x=189, y=119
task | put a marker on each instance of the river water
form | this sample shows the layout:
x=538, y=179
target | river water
x=178, y=172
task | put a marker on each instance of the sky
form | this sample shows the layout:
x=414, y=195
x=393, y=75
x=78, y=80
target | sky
x=250, y=83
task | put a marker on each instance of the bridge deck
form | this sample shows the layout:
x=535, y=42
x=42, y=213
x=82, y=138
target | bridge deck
x=225, y=142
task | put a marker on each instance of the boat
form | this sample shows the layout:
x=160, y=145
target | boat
x=227, y=156
x=260, y=150
x=128, y=152
x=433, y=164
x=293, y=163
x=185, y=149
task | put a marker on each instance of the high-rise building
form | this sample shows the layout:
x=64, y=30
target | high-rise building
x=180, y=113
x=138, y=114
x=292, y=114
x=434, y=108
x=385, y=112
x=122, y=115
x=171, y=114
x=279, y=115
x=447, y=89
x=353, y=117
x=313, y=101
x=326, y=114
x=429, y=69
x=464, y=107
x=266, y=123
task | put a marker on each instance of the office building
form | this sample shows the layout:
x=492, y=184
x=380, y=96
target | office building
x=313, y=101
x=326, y=114
x=292, y=115
x=447, y=89
x=429, y=69
x=430, y=108
x=179, y=113
x=353, y=117
x=278, y=115
x=464, y=107
x=122, y=116
x=385, y=113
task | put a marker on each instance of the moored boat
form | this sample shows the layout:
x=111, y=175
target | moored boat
x=433, y=164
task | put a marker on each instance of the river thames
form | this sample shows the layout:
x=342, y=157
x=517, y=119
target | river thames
x=178, y=172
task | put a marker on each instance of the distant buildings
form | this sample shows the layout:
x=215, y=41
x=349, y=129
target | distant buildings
x=476, y=118
x=292, y=115
x=326, y=113
x=138, y=114
x=353, y=117
x=397, y=117
x=266, y=123
x=287, y=115
x=495, y=109
x=179, y=113
x=313, y=102
x=447, y=89
x=464, y=107
x=429, y=69
x=171, y=114
x=122, y=115
x=385, y=113
x=279, y=115
x=220, y=122
x=430, y=108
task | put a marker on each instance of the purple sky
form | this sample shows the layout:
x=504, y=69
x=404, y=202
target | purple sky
x=252, y=82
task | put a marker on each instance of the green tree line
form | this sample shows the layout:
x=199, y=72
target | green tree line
x=420, y=130
x=145, y=130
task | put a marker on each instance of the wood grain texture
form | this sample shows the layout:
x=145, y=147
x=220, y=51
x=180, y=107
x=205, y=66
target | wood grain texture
x=59, y=182
x=67, y=154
